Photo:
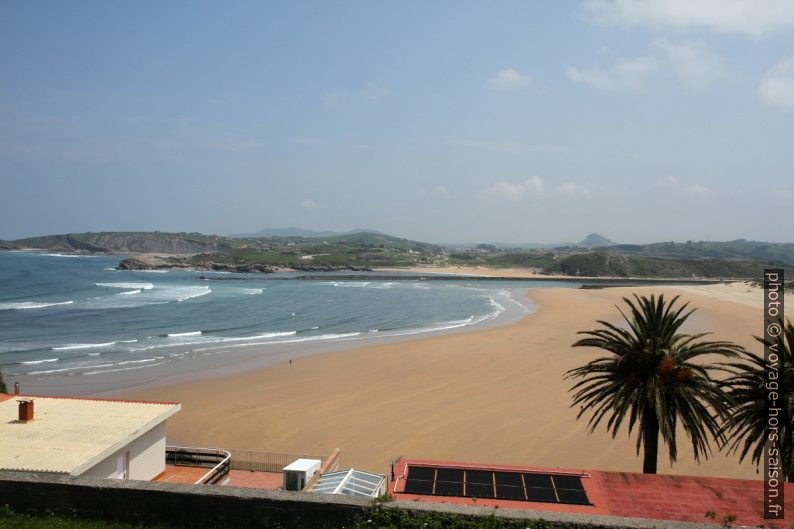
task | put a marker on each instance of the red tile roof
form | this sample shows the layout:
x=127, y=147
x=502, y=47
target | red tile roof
x=654, y=496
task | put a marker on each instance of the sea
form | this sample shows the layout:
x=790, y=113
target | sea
x=77, y=317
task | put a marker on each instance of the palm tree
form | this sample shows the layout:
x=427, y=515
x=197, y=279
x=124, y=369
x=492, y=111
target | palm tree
x=650, y=378
x=745, y=425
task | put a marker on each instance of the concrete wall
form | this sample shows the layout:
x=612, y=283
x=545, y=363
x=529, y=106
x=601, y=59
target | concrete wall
x=205, y=506
x=147, y=457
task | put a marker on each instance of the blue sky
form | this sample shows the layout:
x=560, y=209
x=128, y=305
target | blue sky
x=441, y=121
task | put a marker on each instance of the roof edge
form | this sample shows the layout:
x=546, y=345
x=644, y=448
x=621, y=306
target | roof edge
x=104, y=454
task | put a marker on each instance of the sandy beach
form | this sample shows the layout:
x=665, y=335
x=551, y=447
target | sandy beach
x=494, y=395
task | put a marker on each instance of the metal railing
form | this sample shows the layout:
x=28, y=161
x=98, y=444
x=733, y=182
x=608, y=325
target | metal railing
x=266, y=461
x=218, y=461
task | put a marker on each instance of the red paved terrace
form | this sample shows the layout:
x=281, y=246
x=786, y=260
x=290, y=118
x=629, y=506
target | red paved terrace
x=654, y=496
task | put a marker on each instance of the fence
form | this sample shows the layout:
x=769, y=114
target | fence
x=216, y=460
x=266, y=461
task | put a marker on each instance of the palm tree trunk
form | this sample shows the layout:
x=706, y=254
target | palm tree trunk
x=651, y=444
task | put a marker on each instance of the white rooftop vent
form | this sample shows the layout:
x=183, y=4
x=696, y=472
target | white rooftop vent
x=351, y=482
x=299, y=472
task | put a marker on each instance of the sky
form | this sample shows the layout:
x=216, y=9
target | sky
x=443, y=121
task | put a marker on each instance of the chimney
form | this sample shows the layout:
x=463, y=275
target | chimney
x=16, y=388
x=25, y=410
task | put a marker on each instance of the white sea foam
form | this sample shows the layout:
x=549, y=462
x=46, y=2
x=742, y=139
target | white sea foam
x=183, y=334
x=320, y=337
x=252, y=291
x=257, y=336
x=67, y=255
x=193, y=292
x=150, y=271
x=129, y=293
x=26, y=305
x=82, y=346
x=102, y=372
x=49, y=371
x=144, y=286
x=36, y=362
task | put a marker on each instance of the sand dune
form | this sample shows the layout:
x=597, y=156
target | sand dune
x=495, y=395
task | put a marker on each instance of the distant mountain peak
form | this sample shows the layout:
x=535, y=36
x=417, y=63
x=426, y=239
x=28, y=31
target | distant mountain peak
x=595, y=240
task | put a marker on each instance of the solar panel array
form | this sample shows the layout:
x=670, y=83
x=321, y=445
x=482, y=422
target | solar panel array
x=477, y=483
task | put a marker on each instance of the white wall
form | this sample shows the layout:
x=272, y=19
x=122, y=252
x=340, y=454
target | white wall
x=147, y=457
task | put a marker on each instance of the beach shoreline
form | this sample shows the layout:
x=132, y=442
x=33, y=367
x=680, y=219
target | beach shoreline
x=213, y=361
x=490, y=395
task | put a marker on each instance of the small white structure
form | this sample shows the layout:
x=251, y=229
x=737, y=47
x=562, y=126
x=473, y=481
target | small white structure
x=299, y=472
x=100, y=438
x=351, y=482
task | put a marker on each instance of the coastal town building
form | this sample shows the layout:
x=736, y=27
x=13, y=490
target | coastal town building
x=102, y=438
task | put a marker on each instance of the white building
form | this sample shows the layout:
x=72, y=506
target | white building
x=100, y=438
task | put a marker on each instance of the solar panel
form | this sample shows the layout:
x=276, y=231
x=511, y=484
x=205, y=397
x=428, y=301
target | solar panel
x=421, y=473
x=568, y=482
x=576, y=497
x=450, y=474
x=479, y=476
x=449, y=488
x=418, y=486
x=479, y=490
x=541, y=494
x=479, y=483
x=509, y=486
x=538, y=480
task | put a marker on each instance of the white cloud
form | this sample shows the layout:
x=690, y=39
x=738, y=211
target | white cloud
x=777, y=86
x=697, y=190
x=689, y=61
x=505, y=189
x=509, y=79
x=625, y=74
x=572, y=189
x=750, y=17
x=689, y=189
x=692, y=62
x=308, y=204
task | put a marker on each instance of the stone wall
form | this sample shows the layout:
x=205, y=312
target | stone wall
x=206, y=506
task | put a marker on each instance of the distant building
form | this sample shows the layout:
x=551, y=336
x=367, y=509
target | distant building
x=100, y=438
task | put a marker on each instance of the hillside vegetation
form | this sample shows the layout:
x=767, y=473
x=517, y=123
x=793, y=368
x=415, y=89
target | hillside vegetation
x=368, y=250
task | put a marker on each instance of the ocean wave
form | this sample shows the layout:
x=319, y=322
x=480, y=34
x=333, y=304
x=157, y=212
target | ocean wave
x=144, y=286
x=194, y=292
x=182, y=334
x=104, y=371
x=26, y=305
x=321, y=337
x=67, y=255
x=129, y=293
x=50, y=371
x=71, y=347
x=37, y=362
x=257, y=336
x=149, y=271
x=252, y=291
